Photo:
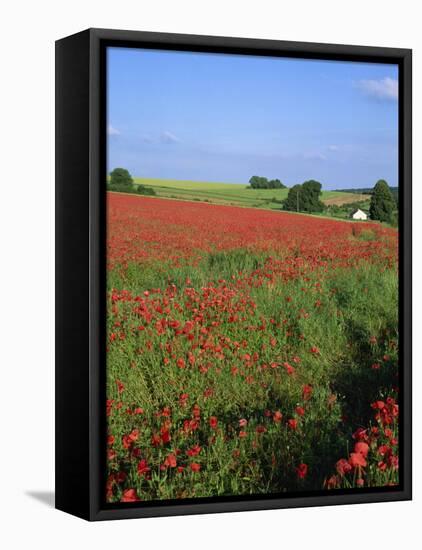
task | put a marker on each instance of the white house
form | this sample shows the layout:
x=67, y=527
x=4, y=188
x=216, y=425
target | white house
x=359, y=215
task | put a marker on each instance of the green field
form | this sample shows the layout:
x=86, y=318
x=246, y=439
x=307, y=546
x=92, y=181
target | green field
x=227, y=193
x=249, y=352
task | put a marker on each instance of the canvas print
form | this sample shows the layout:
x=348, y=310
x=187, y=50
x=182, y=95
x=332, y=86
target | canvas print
x=252, y=276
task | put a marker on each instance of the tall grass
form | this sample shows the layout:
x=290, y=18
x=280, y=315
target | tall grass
x=284, y=366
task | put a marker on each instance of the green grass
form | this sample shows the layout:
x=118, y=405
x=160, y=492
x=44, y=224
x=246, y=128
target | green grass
x=354, y=305
x=223, y=193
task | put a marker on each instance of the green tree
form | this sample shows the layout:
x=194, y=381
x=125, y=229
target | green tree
x=143, y=190
x=383, y=203
x=275, y=184
x=311, y=192
x=258, y=182
x=293, y=200
x=304, y=198
x=120, y=177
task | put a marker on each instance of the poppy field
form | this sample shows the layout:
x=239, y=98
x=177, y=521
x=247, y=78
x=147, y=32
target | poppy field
x=248, y=351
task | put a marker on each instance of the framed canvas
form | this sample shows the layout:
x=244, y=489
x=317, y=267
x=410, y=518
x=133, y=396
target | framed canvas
x=233, y=274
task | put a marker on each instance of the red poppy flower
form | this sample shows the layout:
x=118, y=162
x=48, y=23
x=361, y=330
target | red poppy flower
x=378, y=405
x=277, y=416
x=143, y=467
x=166, y=412
x=213, y=422
x=384, y=450
x=302, y=470
x=195, y=450
x=134, y=434
x=332, y=482
x=121, y=477
x=195, y=467
x=289, y=369
x=357, y=460
x=171, y=461
x=130, y=495
x=307, y=392
x=343, y=467
x=155, y=440
x=362, y=448
x=360, y=434
x=292, y=422
x=165, y=436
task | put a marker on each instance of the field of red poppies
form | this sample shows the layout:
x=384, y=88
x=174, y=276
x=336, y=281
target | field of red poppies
x=248, y=351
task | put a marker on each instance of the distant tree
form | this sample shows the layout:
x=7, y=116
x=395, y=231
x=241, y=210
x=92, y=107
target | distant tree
x=311, y=192
x=259, y=182
x=383, y=204
x=276, y=184
x=293, y=200
x=304, y=198
x=143, y=190
x=120, y=177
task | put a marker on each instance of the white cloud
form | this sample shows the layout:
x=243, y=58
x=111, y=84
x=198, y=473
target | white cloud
x=111, y=131
x=333, y=147
x=168, y=137
x=385, y=88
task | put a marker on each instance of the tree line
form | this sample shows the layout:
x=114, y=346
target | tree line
x=260, y=182
x=304, y=197
x=122, y=181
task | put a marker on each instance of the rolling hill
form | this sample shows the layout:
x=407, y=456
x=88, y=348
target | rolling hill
x=231, y=193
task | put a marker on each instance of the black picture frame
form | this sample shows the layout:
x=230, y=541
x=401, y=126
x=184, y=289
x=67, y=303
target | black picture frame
x=80, y=269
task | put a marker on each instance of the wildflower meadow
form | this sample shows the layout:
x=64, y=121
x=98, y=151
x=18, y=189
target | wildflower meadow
x=249, y=351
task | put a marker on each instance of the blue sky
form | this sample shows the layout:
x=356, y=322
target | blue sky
x=213, y=117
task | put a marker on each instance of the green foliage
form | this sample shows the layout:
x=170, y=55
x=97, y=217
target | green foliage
x=293, y=200
x=143, y=190
x=133, y=189
x=125, y=188
x=383, y=204
x=259, y=182
x=275, y=184
x=344, y=211
x=226, y=193
x=120, y=177
x=343, y=382
x=304, y=198
x=311, y=191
